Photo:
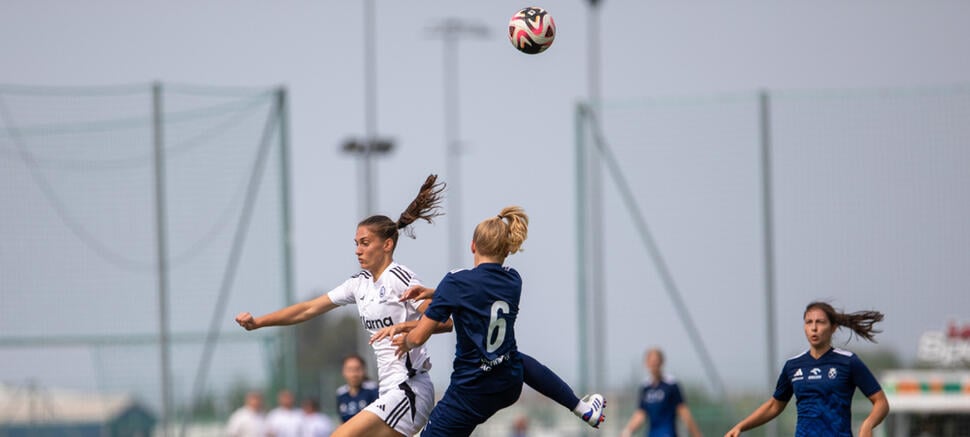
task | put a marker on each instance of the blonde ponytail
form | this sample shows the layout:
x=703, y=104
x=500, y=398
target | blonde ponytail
x=502, y=235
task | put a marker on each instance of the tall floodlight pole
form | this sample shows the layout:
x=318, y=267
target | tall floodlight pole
x=370, y=106
x=452, y=30
x=368, y=147
x=591, y=285
x=764, y=104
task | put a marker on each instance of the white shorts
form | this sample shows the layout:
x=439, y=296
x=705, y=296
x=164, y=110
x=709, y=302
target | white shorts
x=406, y=408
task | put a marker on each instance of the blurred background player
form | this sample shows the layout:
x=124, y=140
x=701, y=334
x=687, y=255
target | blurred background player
x=312, y=422
x=823, y=379
x=406, y=392
x=520, y=427
x=358, y=392
x=661, y=401
x=284, y=420
x=248, y=420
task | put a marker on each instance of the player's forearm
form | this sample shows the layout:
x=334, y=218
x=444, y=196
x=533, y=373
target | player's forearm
x=767, y=411
x=445, y=326
x=408, y=326
x=405, y=327
x=880, y=409
x=636, y=420
x=684, y=413
x=695, y=431
x=290, y=315
x=421, y=293
x=420, y=334
x=692, y=428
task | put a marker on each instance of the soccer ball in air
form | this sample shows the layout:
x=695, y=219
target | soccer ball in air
x=531, y=30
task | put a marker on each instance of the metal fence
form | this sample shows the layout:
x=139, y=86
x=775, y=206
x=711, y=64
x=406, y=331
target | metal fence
x=706, y=224
x=132, y=216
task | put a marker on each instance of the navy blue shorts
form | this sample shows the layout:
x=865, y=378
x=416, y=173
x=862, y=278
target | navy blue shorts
x=459, y=412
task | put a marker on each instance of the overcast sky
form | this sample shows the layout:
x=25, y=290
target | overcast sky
x=517, y=127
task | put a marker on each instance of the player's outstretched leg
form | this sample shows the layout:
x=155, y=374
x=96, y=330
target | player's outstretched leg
x=550, y=385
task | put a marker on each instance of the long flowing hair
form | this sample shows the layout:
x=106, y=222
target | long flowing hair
x=425, y=206
x=862, y=323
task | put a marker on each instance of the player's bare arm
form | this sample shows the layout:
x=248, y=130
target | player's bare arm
x=417, y=292
x=636, y=421
x=393, y=330
x=683, y=411
x=416, y=337
x=767, y=411
x=445, y=326
x=406, y=327
x=290, y=315
x=880, y=408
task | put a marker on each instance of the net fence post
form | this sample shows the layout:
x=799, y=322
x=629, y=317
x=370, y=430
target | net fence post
x=581, y=237
x=291, y=372
x=158, y=142
x=764, y=110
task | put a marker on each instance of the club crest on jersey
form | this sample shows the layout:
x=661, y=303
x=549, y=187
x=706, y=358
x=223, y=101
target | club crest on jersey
x=833, y=373
x=376, y=323
x=382, y=294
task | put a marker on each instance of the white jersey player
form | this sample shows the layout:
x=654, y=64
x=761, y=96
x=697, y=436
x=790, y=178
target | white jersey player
x=406, y=393
x=379, y=304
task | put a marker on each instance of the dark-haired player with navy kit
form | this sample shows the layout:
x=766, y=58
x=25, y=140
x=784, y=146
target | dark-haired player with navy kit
x=824, y=378
x=488, y=368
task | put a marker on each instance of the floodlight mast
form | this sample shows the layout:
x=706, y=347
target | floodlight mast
x=451, y=31
x=370, y=146
x=591, y=308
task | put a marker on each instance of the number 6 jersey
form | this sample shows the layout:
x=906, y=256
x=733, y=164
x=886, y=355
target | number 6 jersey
x=484, y=303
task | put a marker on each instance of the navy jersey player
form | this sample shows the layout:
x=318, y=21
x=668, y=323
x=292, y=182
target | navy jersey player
x=823, y=379
x=591, y=408
x=406, y=393
x=488, y=368
x=358, y=392
x=661, y=401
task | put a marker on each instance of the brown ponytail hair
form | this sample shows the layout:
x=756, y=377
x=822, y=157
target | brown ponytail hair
x=425, y=206
x=502, y=235
x=860, y=322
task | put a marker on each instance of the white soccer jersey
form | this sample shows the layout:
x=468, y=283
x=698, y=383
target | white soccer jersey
x=284, y=422
x=379, y=306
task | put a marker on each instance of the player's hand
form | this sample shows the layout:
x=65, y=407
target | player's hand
x=385, y=332
x=734, y=432
x=401, y=343
x=246, y=320
x=417, y=292
x=389, y=332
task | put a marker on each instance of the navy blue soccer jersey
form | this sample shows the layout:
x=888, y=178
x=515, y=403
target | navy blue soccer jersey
x=484, y=303
x=348, y=406
x=823, y=390
x=660, y=399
